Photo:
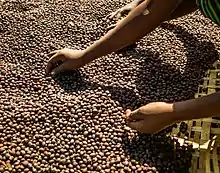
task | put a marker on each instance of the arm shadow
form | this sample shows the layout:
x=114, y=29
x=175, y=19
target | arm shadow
x=156, y=81
x=159, y=151
x=163, y=82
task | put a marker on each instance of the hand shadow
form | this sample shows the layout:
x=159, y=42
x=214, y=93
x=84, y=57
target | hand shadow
x=155, y=80
x=71, y=81
x=144, y=150
x=158, y=81
x=201, y=55
x=159, y=151
x=161, y=81
x=76, y=80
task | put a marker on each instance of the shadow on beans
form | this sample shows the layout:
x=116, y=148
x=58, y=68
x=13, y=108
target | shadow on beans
x=144, y=150
x=74, y=81
x=159, y=151
x=162, y=82
x=156, y=81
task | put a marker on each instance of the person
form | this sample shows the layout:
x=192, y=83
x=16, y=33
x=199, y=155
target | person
x=143, y=17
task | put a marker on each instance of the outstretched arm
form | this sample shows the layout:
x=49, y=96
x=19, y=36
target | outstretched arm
x=124, y=10
x=140, y=21
x=203, y=107
x=153, y=117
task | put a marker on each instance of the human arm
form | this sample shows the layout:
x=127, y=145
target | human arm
x=202, y=107
x=124, y=10
x=154, y=117
x=140, y=21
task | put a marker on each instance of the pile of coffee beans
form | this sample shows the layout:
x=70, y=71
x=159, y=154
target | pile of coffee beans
x=74, y=122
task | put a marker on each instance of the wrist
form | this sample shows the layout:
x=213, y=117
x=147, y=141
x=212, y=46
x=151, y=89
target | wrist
x=185, y=110
x=172, y=114
x=91, y=52
x=86, y=56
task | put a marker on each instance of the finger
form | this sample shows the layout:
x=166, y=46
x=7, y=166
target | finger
x=53, y=52
x=61, y=68
x=115, y=14
x=137, y=115
x=118, y=15
x=111, y=16
x=136, y=125
x=108, y=16
x=127, y=114
x=52, y=62
x=141, y=127
x=125, y=11
x=111, y=27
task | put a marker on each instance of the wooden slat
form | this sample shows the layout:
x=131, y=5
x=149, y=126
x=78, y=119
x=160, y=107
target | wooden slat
x=212, y=82
x=190, y=124
x=202, y=159
x=194, y=165
x=205, y=133
x=207, y=162
x=215, y=131
x=215, y=156
x=197, y=134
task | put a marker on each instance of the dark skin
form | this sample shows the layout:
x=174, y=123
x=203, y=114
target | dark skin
x=185, y=7
x=144, y=17
x=136, y=25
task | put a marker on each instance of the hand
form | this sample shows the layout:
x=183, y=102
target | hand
x=71, y=59
x=151, y=118
x=124, y=10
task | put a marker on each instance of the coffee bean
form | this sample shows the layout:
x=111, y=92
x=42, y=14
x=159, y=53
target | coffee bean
x=73, y=122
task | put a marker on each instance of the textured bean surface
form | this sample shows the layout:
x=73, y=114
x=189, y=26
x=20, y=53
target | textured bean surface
x=74, y=122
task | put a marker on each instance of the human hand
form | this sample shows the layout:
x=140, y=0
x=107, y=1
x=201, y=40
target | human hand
x=71, y=59
x=124, y=10
x=151, y=118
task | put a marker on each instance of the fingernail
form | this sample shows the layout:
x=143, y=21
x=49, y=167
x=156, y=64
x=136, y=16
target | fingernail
x=128, y=111
x=52, y=73
x=134, y=112
x=127, y=114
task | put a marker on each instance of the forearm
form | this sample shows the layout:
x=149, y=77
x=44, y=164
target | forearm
x=141, y=21
x=203, y=107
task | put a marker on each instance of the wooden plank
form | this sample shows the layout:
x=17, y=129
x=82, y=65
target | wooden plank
x=197, y=133
x=215, y=158
x=206, y=162
x=202, y=160
x=215, y=131
x=205, y=132
x=190, y=124
x=194, y=165
x=212, y=82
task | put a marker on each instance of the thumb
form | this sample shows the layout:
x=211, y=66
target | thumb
x=135, y=115
x=137, y=125
x=61, y=68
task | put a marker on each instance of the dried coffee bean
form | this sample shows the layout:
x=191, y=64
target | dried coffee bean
x=73, y=122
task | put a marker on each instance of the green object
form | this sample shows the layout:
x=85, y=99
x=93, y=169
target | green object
x=210, y=9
